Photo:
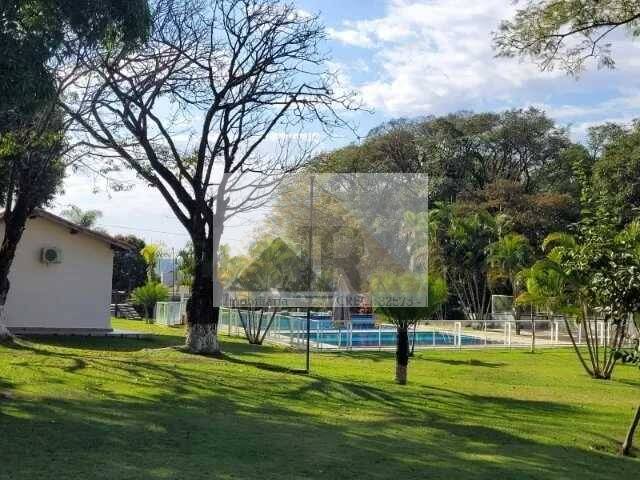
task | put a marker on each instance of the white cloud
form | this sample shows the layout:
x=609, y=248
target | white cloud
x=436, y=57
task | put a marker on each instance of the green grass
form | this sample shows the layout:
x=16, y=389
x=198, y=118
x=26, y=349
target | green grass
x=142, y=409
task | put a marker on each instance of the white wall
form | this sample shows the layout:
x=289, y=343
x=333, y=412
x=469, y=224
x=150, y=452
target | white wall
x=74, y=294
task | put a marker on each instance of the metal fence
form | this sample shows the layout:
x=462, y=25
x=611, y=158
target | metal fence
x=291, y=329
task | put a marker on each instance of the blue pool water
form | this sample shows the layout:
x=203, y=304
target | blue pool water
x=387, y=338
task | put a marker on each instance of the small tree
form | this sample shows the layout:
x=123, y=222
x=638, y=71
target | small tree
x=129, y=267
x=84, y=218
x=256, y=323
x=404, y=299
x=148, y=295
x=151, y=254
x=544, y=288
x=594, y=274
x=186, y=264
x=508, y=256
x=271, y=265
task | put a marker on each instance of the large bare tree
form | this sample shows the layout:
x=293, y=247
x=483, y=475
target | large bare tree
x=211, y=113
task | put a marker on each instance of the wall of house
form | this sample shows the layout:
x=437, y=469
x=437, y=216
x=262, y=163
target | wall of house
x=74, y=294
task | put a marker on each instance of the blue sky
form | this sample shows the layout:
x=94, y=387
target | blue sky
x=408, y=58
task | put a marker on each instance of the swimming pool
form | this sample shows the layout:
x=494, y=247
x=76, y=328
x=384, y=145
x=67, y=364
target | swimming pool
x=383, y=338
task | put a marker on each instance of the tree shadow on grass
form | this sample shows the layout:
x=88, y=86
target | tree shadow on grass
x=232, y=433
x=173, y=418
x=111, y=344
x=472, y=362
x=269, y=367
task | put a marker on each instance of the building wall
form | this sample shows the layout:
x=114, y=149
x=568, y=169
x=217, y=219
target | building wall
x=74, y=294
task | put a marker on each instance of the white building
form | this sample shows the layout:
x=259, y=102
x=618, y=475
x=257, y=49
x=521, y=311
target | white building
x=60, y=278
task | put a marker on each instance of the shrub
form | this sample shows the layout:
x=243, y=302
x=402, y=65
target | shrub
x=148, y=295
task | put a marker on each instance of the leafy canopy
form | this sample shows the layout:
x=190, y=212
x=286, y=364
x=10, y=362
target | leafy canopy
x=406, y=298
x=566, y=33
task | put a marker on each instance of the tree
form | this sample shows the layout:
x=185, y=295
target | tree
x=534, y=215
x=631, y=356
x=615, y=170
x=243, y=71
x=129, y=266
x=186, y=264
x=595, y=274
x=230, y=266
x=508, y=256
x=151, y=253
x=404, y=299
x=32, y=172
x=463, y=240
x=148, y=295
x=415, y=229
x=34, y=36
x=272, y=264
x=464, y=152
x=84, y=218
x=566, y=33
x=544, y=288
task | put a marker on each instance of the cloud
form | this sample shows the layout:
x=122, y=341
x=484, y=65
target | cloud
x=436, y=57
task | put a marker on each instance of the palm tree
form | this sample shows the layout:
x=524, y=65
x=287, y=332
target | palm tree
x=415, y=229
x=420, y=296
x=151, y=254
x=545, y=288
x=84, y=218
x=509, y=255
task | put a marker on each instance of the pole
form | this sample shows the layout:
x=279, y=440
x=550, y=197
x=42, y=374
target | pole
x=310, y=275
x=173, y=270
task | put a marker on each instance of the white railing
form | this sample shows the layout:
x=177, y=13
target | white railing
x=291, y=329
x=170, y=313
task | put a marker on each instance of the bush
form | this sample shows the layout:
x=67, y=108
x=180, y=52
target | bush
x=148, y=295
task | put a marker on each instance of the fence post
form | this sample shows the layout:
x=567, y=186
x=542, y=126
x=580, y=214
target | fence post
x=291, y=332
x=379, y=338
x=458, y=334
x=507, y=334
x=579, y=333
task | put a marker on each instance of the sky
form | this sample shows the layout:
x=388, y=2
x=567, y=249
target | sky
x=405, y=58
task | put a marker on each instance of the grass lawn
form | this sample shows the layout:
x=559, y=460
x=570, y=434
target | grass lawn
x=142, y=409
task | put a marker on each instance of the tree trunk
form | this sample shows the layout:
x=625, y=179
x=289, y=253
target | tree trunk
x=15, y=223
x=413, y=340
x=533, y=336
x=628, y=441
x=202, y=314
x=402, y=355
